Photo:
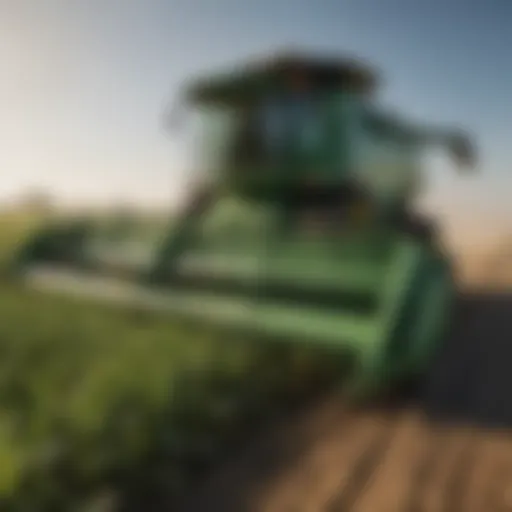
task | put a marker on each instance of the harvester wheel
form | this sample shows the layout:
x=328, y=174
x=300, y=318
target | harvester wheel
x=434, y=317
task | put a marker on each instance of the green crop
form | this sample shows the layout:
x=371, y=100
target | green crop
x=99, y=401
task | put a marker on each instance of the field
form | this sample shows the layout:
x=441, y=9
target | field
x=447, y=448
x=107, y=410
x=102, y=402
x=80, y=387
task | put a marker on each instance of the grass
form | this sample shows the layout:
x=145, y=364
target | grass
x=97, y=401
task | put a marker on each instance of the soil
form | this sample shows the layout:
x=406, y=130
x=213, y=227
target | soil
x=446, y=448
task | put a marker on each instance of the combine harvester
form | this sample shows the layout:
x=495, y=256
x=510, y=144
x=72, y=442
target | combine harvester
x=300, y=238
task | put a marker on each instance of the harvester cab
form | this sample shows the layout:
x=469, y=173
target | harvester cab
x=293, y=128
x=300, y=231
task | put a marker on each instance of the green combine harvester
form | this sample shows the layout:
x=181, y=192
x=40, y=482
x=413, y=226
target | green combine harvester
x=299, y=236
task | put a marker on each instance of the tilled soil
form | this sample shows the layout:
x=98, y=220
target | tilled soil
x=447, y=450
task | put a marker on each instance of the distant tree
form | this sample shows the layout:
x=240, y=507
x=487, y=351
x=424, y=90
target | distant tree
x=37, y=201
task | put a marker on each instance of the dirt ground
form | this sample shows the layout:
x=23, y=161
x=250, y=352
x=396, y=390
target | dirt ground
x=446, y=449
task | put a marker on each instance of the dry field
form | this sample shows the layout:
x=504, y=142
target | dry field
x=447, y=448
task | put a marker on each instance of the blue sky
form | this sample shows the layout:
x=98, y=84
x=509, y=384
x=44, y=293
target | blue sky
x=84, y=83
